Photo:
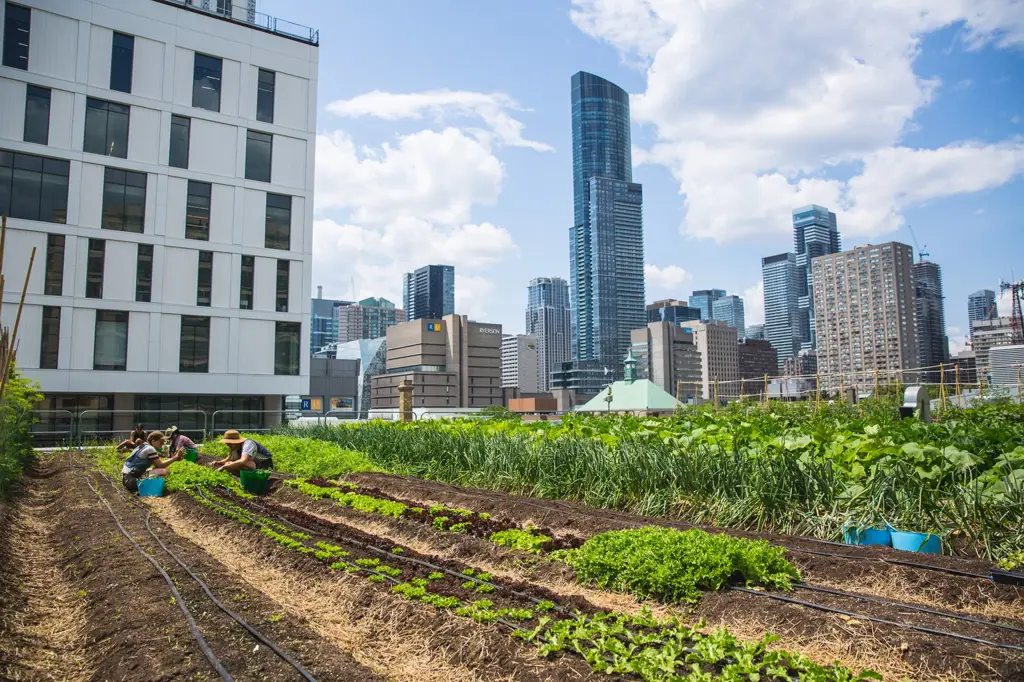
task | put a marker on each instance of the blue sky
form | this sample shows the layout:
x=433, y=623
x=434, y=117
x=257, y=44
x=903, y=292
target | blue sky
x=445, y=137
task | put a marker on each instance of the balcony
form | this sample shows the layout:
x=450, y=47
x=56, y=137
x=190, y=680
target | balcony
x=246, y=16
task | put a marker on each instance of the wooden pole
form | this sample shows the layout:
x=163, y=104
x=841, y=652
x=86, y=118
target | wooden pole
x=1020, y=396
x=817, y=391
x=766, y=390
x=9, y=355
x=716, y=393
x=942, y=384
x=957, y=378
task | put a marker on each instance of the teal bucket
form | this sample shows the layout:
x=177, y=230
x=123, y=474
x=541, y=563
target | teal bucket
x=853, y=535
x=151, y=487
x=926, y=543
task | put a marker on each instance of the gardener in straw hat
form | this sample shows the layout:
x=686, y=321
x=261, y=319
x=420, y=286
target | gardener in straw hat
x=244, y=453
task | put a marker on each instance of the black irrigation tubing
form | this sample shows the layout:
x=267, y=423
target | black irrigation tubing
x=953, y=571
x=860, y=616
x=200, y=640
x=425, y=564
x=238, y=619
x=256, y=521
x=912, y=607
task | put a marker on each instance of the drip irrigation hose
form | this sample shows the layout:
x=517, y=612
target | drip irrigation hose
x=426, y=564
x=860, y=616
x=248, y=628
x=912, y=607
x=200, y=640
x=669, y=523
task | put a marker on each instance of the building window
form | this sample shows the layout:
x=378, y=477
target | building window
x=248, y=275
x=206, y=82
x=286, y=348
x=197, y=211
x=265, y=96
x=106, y=128
x=204, y=283
x=258, y=151
x=278, y=233
x=194, y=354
x=110, y=351
x=180, y=131
x=144, y=274
x=34, y=187
x=54, y=285
x=283, y=268
x=49, y=343
x=124, y=200
x=37, y=115
x=122, y=56
x=17, y=23
x=94, y=268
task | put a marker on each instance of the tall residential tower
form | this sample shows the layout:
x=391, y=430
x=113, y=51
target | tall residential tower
x=815, y=233
x=781, y=317
x=429, y=292
x=606, y=261
x=933, y=344
x=547, y=318
x=981, y=305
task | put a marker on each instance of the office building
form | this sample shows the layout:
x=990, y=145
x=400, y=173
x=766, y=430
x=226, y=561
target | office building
x=520, y=360
x=803, y=364
x=583, y=378
x=429, y=292
x=964, y=369
x=1006, y=365
x=781, y=317
x=986, y=335
x=719, y=360
x=932, y=342
x=452, y=363
x=981, y=305
x=162, y=161
x=323, y=321
x=703, y=300
x=667, y=355
x=368, y=319
x=548, y=317
x=729, y=309
x=815, y=233
x=865, y=306
x=349, y=387
x=757, y=359
x=755, y=331
x=606, y=262
x=672, y=311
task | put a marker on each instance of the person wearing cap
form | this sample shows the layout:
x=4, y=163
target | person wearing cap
x=144, y=456
x=244, y=453
x=177, y=441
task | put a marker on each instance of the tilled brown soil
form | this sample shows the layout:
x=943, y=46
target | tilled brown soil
x=929, y=655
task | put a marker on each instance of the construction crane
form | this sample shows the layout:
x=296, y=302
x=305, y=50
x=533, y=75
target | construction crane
x=921, y=255
x=1016, y=290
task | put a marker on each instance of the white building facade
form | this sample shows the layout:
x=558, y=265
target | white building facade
x=520, y=361
x=159, y=157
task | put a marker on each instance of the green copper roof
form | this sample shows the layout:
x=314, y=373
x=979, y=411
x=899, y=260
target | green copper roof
x=631, y=396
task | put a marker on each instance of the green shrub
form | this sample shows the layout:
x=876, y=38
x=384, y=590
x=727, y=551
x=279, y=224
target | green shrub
x=674, y=566
x=20, y=398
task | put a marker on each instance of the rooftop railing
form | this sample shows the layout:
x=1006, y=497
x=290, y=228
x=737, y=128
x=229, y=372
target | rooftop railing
x=246, y=14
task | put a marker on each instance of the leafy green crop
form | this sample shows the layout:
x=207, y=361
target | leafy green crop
x=186, y=475
x=364, y=503
x=674, y=566
x=523, y=540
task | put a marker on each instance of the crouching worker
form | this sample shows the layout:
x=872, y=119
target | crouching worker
x=135, y=439
x=142, y=458
x=244, y=453
x=178, y=442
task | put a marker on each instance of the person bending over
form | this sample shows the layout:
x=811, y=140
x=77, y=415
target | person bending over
x=178, y=442
x=135, y=439
x=244, y=453
x=143, y=457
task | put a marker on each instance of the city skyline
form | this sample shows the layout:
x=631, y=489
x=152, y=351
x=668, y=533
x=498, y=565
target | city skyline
x=469, y=153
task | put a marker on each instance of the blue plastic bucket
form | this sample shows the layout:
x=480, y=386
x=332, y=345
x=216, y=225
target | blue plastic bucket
x=853, y=535
x=916, y=542
x=151, y=487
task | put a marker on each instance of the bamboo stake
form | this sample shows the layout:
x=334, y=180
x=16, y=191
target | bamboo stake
x=1020, y=397
x=766, y=390
x=9, y=356
x=817, y=391
x=942, y=384
x=716, y=393
x=957, y=377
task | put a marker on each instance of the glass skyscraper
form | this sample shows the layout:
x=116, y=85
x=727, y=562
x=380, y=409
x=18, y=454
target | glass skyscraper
x=704, y=300
x=932, y=342
x=979, y=306
x=547, y=318
x=729, y=309
x=429, y=292
x=606, y=262
x=815, y=233
x=781, y=316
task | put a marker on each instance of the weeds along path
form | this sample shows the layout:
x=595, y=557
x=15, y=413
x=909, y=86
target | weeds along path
x=854, y=642
x=863, y=569
x=399, y=639
x=42, y=629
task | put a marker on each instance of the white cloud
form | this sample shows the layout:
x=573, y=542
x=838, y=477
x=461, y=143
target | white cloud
x=666, y=279
x=473, y=296
x=754, y=104
x=492, y=108
x=753, y=304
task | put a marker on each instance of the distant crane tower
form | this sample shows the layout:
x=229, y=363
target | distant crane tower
x=1016, y=290
x=921, y=255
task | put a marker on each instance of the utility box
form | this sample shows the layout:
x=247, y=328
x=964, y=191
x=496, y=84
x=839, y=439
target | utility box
x=915, y=400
